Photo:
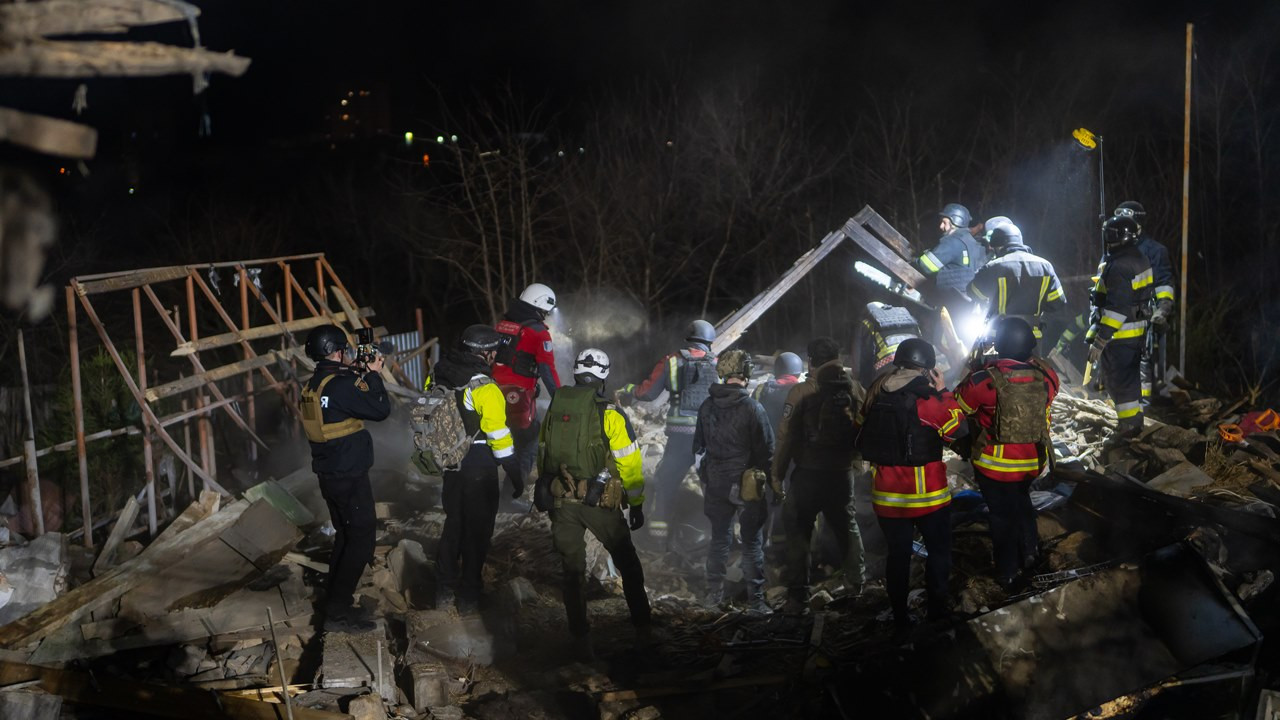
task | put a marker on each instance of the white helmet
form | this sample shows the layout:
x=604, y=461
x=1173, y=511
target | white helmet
x=539, y=296
x=592, y=361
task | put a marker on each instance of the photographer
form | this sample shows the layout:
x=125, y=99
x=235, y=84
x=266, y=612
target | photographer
x=334, y=404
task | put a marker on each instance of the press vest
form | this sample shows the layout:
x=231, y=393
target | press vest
x=312, y=404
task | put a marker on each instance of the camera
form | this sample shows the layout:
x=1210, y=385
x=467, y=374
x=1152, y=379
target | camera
x=366, y=349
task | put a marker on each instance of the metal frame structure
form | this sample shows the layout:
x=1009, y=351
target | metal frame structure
x=262, y=321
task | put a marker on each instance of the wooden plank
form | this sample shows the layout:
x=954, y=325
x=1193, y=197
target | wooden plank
x=97, y=593
x=732, y=328
x=58, y=59
x=887, y=257
x=20, y=21
x=124, y=523
x=191, y=382
x=879, y=227
x=130, y=280
x=49, y=135
x=260, y=332
x=151, y=700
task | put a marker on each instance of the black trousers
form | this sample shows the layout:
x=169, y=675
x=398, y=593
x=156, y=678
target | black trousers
x=470, y=500
x=350, y=501
x=526, y=443
x=829, y=492
x=935, y=528
x=1121, y=372
x=1012, y=519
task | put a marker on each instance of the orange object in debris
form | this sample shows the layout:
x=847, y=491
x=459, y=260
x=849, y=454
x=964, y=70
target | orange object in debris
x=1268, y=420
x=1230, y=432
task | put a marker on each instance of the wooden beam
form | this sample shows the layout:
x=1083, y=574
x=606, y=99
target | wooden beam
x=130, y=280
x=60, y=59
x=883, y=254
x=124, y=523
x=258, y=333
x=45, y=134
x=191, y=382
x=878, y=226
x=21, y=21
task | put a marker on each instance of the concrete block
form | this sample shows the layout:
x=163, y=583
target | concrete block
x=367, y=707
x=430, y=685
x=1180, y=480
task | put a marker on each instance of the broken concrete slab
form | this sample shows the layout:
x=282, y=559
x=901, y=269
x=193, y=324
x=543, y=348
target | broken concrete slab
x=36, y=572
x=429, y=685
x=414, y=578
x=470, y=637
x=283, y=501
x=355, y=660
x=30, y=706
x=1180, y=480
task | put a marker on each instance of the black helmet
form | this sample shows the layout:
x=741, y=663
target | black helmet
x=915, y=353
x=481, y=338
x=1130, y=208
x=700, y=331
x=1119, y=231
x=788, y=363
x=325, y=341
x=1014, y=338
x=1004, y=235
x=957, y=213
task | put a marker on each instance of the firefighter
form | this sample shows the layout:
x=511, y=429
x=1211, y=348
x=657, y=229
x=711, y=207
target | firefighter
x=735, y=441
x=772, y=394
x=816, y=433
x=1015, y=282
x=902, y=425
x=687, y=375
x=1162, y=279
x=954, y=260
x=878, y=336
x=1121, y=301
x=470, y=493
x=589, y=442
x=526, y=357
x=1009, y=399
x=334, y=404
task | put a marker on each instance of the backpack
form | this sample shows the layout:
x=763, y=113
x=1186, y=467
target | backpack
x=1020, y=409
x=892, y=433
x=829, y=422
x=572, y=447
x=522, y=363
x=440, y=436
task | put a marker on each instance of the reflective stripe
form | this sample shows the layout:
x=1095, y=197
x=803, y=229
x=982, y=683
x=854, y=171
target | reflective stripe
x=1112, y=319
x=1130, y=330
x=1164, y=292
x=504, y=452
x=1146, y=391
x=990, y=462
x=1142, y=279
x=1004, y=295
x=1128, y=409
x=931, y=262
x=467, y=402
x=964, y=259
x=673, y=375
x=921, y=489
x=965, y=406
x=951, y=424
x=623, y=452
x=498, y=434
x=903, y=500
x=1054, y=295
x=973, y=288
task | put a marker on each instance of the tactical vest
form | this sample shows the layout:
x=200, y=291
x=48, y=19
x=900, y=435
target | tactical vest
x=521, y=362
x=313, y=424
x=1021, y=414
x=693, y=378
x=892, y=433
x=574, y=447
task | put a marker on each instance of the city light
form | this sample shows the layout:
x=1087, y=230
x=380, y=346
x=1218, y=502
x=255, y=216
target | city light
x=408, y=137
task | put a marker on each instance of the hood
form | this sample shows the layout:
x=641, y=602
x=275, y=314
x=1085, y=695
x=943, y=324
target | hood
x=725, y=395
x=1010, y=249
x=900, y=378
x=520, y=311
x=457, y=368
x=832, y=371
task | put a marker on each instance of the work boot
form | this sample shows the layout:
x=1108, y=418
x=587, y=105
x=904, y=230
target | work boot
x=714, y=598
x=757, y=606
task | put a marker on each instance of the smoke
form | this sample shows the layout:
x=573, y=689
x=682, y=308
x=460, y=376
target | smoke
x=602, y=318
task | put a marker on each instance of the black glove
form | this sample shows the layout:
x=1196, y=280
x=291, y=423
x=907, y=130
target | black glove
x=542, y=497
x=515, y=477
x=635, y=517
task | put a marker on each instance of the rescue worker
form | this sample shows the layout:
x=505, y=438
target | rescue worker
x=585, y=441
x=1121, y=301
x=1009, y=398
x=334, y=404
x=954, y=260
x=1015, y=282
x=470, y=493
x=735, y=441
x=1162, y=279
x=772, y=394
x=687, y=375
x=902, y=425
x=878, y=336
x=525, y=357
x=817, y=434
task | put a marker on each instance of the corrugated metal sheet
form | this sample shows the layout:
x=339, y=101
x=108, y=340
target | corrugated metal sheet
x=414, y=368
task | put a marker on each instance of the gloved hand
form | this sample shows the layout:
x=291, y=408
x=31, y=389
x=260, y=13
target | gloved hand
x=778, y=494
x=1164, y=309
x=1095, y=349
x=635, y=517
x=515, y=477
x=623, y=397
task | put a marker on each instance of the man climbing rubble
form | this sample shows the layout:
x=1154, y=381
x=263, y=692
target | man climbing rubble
x=334, y=403
x=901, y=429
x=954, y=260
x=470, y=493
x=1010, y=399
x=1162, y=297
x=735, y=441
x=525, y=357
x=1121, y=301
x=589, y=469
x=687, y=375
x=817, y=434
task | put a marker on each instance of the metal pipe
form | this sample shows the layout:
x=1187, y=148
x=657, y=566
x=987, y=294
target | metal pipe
x=33, y=506
x=202, y=424
x=77, y=405
x=284, y=683
x=248, y=377
x=148, y=470
x=1186, y=206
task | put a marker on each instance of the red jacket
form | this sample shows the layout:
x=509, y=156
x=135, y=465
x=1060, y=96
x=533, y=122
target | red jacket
x=976, y=395
x=534, y=339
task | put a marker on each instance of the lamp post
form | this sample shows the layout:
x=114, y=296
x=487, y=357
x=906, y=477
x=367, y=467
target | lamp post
x=1089, y=141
